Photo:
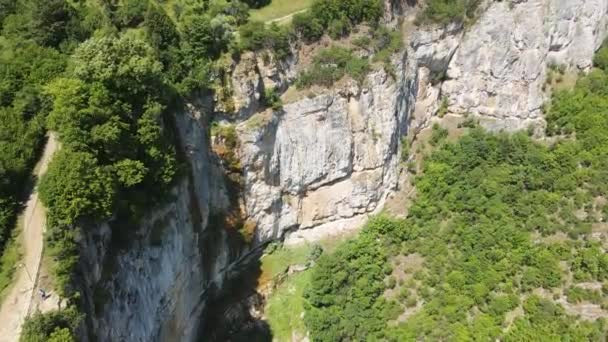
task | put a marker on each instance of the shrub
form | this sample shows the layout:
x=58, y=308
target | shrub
x=446, y=11
x=330, y=65
x=438, y=134
x=336, y=17
x=338, y=28
x=272, y=99
x=600, y=60
x=257, y=36
x=307, y=26
x=55, y=326
x=443, y=107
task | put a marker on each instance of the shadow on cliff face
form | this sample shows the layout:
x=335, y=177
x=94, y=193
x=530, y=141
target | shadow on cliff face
x=235, y=314
x=234, y=311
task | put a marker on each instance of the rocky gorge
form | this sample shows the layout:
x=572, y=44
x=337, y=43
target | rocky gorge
x=324, y=162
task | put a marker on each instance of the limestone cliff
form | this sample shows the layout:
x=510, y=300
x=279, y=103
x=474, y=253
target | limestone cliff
x=501, y=63
x=318, y=165
x=323, y=163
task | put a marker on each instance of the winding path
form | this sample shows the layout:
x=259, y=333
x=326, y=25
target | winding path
x=16, y=305
x=286, y=17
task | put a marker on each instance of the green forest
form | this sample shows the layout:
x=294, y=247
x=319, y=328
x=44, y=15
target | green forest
x=503, y=226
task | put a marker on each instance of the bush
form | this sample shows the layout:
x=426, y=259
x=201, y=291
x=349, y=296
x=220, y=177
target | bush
x=446, y=11
x=336, y=17
x=257, y=36
x=330, y=65
x=54, y=326
x=308, y=27
x=339, y=28
x=438, y=134
x=600, y=60
x=443, y=107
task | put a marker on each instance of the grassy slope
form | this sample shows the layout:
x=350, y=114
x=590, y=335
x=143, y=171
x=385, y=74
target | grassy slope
x=279, y=8
x=285, y=306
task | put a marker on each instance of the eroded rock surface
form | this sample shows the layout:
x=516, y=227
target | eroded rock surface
x=501, y=64
x=326, y=159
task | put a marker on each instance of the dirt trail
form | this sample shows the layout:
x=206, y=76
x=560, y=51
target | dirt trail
x=17, y=304
x=286, y=17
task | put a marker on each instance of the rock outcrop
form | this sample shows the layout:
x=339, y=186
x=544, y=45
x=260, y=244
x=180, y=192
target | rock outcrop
x=317, y=166
x=501, y=64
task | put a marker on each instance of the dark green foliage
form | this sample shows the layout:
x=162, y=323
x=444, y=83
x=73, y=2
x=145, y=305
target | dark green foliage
x=46, y=22
x=272, y=99
x=257, y=36
x=75, y=187
x=438, y=134
x=344, y=296
x=54, y=326
x=129, y=13
x=7, y=7
x=446, y=11
x=330, y=65
x=311, y=29
x=162, y=32
x=256, y=3
x=577, y=294
x=600, y=60
x=207, y=37
x=336, y=16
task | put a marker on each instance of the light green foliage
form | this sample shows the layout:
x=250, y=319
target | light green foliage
x=272, y=99
x=443, y=107
x=257, y=36
x=330, y=65
x=546, y=321
x=285, y=307
x=62, y=335
x=600, y=60
x=438, y=134
x=55, y=326
x=75, y=187
x=124, y=64
x=337, y=16
x=446, y=11
x=577, y=294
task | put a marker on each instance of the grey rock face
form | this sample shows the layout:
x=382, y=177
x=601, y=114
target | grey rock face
x=327, y=159
x=501, y=64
